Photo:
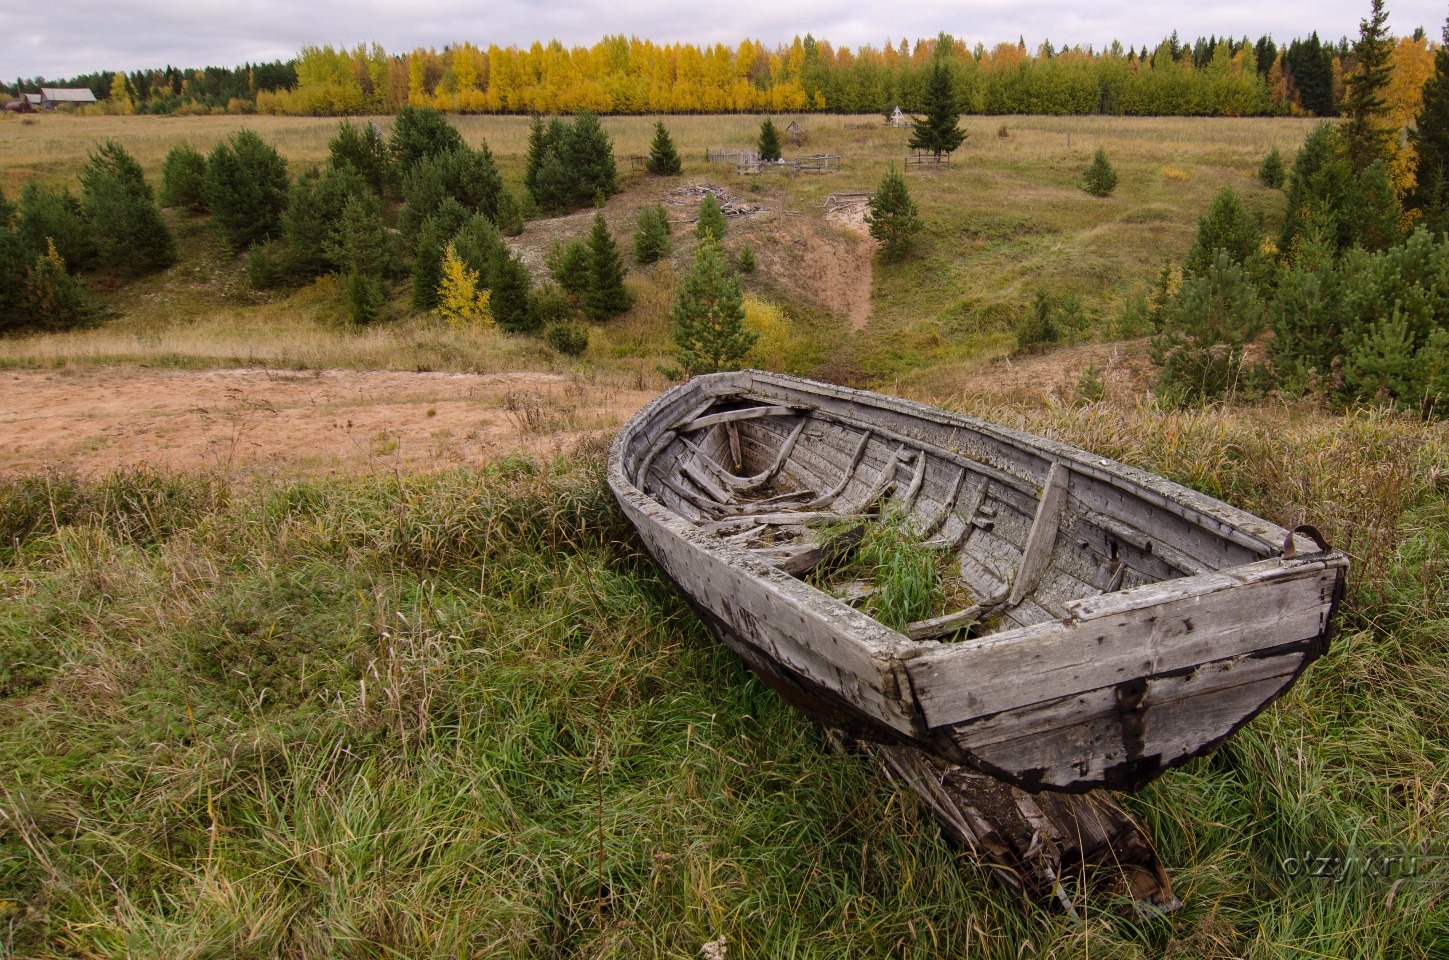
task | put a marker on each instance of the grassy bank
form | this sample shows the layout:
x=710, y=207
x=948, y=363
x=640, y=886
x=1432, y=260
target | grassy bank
x=462, y=715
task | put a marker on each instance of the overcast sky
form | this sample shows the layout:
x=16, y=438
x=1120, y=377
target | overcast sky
x=81, y=36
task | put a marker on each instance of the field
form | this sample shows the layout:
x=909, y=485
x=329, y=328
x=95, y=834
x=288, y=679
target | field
x=324, y=642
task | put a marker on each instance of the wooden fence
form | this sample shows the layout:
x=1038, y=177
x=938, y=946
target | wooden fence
x=924, y=160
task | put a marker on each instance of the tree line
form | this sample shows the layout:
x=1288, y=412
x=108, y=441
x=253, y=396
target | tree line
x=1214, y=76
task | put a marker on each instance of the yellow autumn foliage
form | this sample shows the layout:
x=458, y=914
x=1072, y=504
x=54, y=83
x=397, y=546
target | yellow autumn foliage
x=460, y=302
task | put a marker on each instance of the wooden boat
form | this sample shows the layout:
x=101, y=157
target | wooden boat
x=1113, y=624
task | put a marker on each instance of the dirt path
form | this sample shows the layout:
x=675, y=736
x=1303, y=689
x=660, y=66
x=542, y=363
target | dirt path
x=337, y=421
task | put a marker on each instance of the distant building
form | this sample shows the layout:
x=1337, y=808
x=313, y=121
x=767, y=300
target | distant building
x=52, y=97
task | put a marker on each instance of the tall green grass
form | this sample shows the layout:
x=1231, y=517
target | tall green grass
x=464, y=715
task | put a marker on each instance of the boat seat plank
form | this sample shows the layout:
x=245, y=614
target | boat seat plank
x=733, y=416
x=1043, y=536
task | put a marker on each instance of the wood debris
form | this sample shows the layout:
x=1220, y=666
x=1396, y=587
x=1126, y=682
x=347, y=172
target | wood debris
x=692, y=195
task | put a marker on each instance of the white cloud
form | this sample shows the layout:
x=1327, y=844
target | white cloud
x=92, y=35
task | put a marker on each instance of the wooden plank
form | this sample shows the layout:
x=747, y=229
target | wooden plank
x=1122, y=636
x=733, y=430
x=825, y=499
x=731, y=416
x=1043, y=536
x=949, y=623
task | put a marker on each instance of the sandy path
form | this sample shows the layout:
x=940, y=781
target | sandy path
x=96, y=421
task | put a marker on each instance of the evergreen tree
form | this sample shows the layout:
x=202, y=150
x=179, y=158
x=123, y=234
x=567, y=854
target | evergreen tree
x=509, y=286
x=606, y=295
x=1430, y=138
x=315, y=203
x=476, y=242
x=542, y=141
x=130, y=236
x=769, y=144
x=1203, y=335
x=510, y=214
x=651, y=238
x=362, y=149
x=360, y=244
x=663, y=158
x=1270, y=172
x=182, y=174
x=54, y=299
x=13, y=265
x=711, y=220
x=365, y=294
x=419, y=133
x=589, y=155
x=427, y=267
x=568, y=264
x=1099, y=179
x=1320, y=150
x=707, y=320
x=938, y=132
x=747, y=260
x=246, y=189
x=44, y=215
x=893, y=218
x=1368, y=133
x=1228, y=228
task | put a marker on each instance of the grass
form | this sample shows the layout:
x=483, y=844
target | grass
x=462, y=713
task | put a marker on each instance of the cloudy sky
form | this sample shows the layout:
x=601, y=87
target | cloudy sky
x=80, y=36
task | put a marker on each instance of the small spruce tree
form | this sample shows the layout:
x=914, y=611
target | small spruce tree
x=568, y=264
x=182, y=174
x=893, y=218
x=651, y=237
x=1430, y=140
x=769, y=144
x=1099, y=179
x=1270, y=172
x=54, y=299
x=361, y=148
x=605, y=296
x=938, y=132
x=747, y=260
x=427, y=267
x=711, y=219
x=707, y=320
x=663, y=158
x=510, y=288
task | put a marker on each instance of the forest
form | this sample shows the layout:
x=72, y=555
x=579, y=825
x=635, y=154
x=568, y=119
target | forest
x=1212, y=76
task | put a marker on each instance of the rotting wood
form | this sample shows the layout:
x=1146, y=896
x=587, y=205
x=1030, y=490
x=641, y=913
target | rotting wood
x=732, y=416
x=1043, y=536
x=828, y=497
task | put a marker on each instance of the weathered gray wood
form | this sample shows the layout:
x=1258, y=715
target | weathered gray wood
x=949, y=623
x=828, y=497
x=733, y=430
x=733, y=416
x=1043, y=536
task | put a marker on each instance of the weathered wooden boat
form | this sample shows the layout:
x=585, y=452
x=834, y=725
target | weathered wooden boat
x=1115, y=624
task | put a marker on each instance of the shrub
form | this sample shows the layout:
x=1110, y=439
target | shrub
x=651, y=236
x=570, y=339
x=1204, y=332
x=1038, y=328
x=246, y=189
x=892, y=217
x=182, y=174
x=747, y=260
x=550, y=305
x=663, y=158
x=711, y=222
x=130, y=236
x=1099, y=179
x=1270, y=171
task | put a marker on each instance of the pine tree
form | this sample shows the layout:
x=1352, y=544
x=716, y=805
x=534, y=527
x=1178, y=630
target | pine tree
x=1099, y=179
x=418, y=133
x=707, y=320
x=651, y=238
x=54, y=299
x=510, y=214
x=568, y=264
x=315, y=204
x=663, y=158
x=130, y=236
x=182, y=174
x=589, y=155
x=938, y=132
x=246, y=189
x=360, y=244
x=476, y=242
x=1270, y=172
x=1229, y=228
x=605, y=296
x=45, y=215
x=769, y=144
x=1430, y=138
x=427, y=267
x=1202, y=341
x=1368, y=134
x=747, y=260
x=510, y=285
x=362, y=149
x=711, y=220
x=459, y=301
x=893, y=218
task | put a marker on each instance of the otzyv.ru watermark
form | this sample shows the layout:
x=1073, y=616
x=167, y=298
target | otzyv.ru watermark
x=1373, y=864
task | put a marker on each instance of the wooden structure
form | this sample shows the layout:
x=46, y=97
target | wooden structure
x=735, y=155
x=638, y=163
x=924, y=160
x=818, y=163
x=1110, y=625
x=689, y=198
x=837, y=202
x=898, y=119
x=53, y=97
x=795, y=134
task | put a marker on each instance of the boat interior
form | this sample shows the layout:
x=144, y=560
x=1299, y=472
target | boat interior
x=1018, y=533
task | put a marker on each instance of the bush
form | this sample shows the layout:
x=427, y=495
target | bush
x=1099, y=179
x=1270, y=172
x=1038, y=329
x=246, y=189
x=711, y=222
x=651, y=235
x=570, y=339
x=550, y=305
x=130, y=236
x=182, y=175
x=1204, y=332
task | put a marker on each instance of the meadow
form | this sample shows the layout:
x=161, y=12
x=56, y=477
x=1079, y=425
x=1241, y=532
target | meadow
x=461, y=713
